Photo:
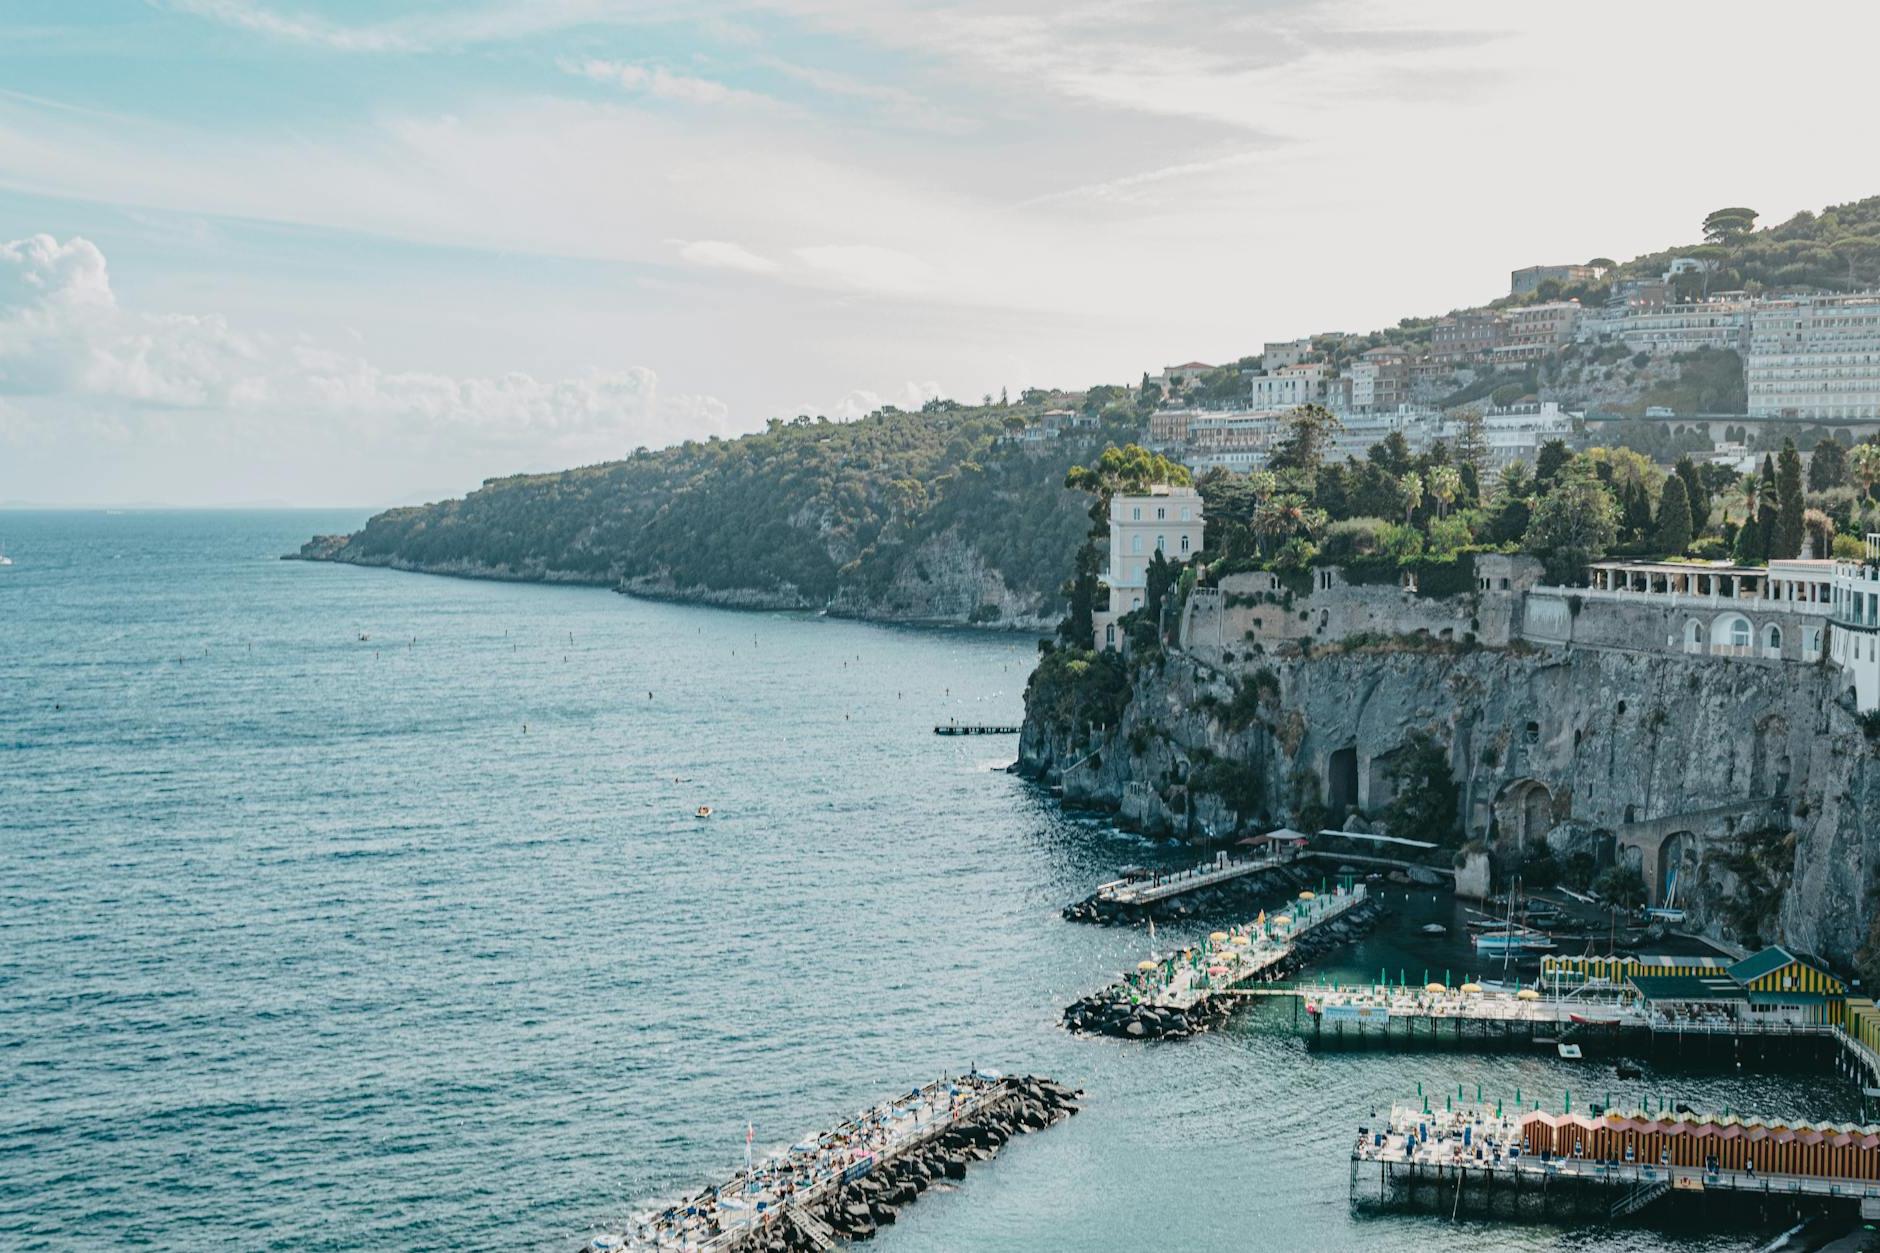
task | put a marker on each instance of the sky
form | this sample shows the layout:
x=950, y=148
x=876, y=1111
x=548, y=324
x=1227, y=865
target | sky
x=371, y=252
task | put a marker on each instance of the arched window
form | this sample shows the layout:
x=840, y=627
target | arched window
x=1693, y=636
x=1772, y=638
x=1135, y=543
x=1739, y=633
x=1184, y=543
x=1161, y=543
x=1109, y=634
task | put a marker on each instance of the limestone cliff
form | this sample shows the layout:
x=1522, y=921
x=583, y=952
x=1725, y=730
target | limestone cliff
x=1741, y=779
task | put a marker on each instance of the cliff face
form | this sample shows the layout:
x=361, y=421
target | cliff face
x=1740, y=782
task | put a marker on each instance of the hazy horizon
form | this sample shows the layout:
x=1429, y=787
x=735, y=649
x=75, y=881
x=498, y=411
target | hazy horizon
x=323, y=252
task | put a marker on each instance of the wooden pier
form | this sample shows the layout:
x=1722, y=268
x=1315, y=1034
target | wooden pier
x=963, y=728
x=846, y=1181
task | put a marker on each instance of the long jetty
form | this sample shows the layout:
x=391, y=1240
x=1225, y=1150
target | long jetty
x=848, y=1180
x=1521, y=1163
x=1182, y=992
x=1223, y=882
x=974, y=728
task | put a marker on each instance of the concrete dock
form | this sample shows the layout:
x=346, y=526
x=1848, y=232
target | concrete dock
x=846, y=1181
x=1507, y=1162
x=1178, y=993
x=962, y=728
x=1221, y=884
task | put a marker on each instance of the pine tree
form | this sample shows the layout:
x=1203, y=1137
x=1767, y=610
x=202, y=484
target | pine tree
x=1674, y=518
x=1787, y=540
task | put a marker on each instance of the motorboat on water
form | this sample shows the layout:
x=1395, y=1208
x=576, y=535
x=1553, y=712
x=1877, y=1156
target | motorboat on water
x=703, y=811
x=1435, y=928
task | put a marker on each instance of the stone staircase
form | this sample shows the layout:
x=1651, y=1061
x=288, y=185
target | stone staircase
x=814, y=1229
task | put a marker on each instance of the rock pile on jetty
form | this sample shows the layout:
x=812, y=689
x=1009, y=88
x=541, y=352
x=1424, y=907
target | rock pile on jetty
x=1114, y=1011
x=857, y=1209
x=1234, y=897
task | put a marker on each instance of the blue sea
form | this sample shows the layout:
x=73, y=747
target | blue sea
x=350, y=909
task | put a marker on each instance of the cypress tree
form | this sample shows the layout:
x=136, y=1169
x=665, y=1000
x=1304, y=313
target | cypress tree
x=1638, y=511
x=1674, y=518
x=1787, y=540
x=1694, y=495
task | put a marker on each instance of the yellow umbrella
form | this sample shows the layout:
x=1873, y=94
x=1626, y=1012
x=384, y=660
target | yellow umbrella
x=1145, y=965
x=1282, y=920
x=1306, y=896
x=1242, y=939
x=1434, y=987
x=1219, y=937
x=1471, y=987
x=1527, y=994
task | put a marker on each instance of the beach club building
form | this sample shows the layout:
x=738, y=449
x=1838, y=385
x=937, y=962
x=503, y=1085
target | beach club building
x=1770, y=987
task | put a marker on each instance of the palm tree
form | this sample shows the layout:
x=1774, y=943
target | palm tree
x=1863, y=463
x=1445, y=486
x=1411, y=485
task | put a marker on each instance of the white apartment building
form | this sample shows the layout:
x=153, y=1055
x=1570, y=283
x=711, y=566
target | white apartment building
x=1517, y=432
x=1815, y=358
x=1295, y=385
x=1278, y=354
x=1855, y=639
x=1665, y=329
x=1363, y=431
x=1163, y=519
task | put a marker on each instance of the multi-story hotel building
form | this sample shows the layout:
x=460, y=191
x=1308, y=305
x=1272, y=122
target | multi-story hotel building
x=1164, y=520
x=1815, y=358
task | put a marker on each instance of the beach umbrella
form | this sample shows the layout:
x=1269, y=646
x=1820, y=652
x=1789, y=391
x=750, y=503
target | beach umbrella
x=1145, y=965
x=1307, y=896
x=1435, y=987
x=1471, y=988
x=1527, y=994
x=1219, y=937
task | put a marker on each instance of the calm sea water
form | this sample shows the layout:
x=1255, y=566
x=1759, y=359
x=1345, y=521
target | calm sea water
x=342, y=908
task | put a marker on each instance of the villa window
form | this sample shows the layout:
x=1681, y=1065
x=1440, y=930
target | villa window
x=1161, y=543
x=1184, y=543
x=1160, y=514
x=1135, y=543
x=1772, y=639
x=1739, y=633
x=1135, y=514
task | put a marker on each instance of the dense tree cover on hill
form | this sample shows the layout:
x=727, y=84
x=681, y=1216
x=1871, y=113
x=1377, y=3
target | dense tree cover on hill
x=808, y=506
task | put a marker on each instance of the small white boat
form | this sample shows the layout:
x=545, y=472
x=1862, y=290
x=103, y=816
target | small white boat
x=1513, y=942
x=703, y=811
x=1435, y=928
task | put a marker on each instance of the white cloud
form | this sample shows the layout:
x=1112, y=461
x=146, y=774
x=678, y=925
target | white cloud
x=723, y=255
x=66, y=342
x=861, y=402
x=660, y=82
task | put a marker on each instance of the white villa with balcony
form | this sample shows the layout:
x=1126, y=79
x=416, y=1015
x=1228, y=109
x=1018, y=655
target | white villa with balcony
x=1163, y=519
x=1729, y=610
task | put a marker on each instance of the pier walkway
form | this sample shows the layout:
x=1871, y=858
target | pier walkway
x=1472, y=1154
x=793, y=1193
x=1173, y=994
x=1160, y=887
x=963, y=728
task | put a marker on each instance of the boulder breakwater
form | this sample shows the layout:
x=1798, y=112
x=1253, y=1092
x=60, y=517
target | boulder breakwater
x=849, y=1181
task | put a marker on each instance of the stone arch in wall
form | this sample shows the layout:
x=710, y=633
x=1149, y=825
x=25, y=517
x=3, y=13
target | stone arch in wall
x=1524, y=812
x=1694, y=635
x=1730, y=632
x=1675, y=874
x=1341, y=779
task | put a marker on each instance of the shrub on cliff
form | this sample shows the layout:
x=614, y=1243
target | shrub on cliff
x=1427, y=802
x=1075, y=689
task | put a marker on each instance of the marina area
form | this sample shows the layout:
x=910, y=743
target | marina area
x=850, y=1179
x=1177, y=993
